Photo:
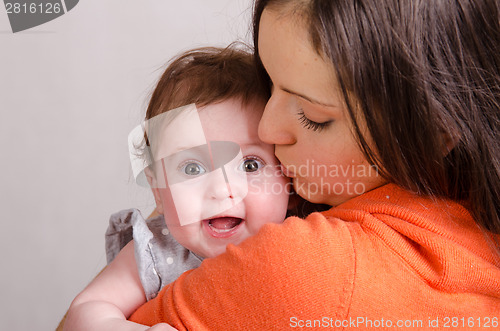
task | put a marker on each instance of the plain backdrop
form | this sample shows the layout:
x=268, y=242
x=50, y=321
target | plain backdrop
x=70, y=92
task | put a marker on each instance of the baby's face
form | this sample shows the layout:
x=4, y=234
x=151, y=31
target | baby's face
x=224, y=191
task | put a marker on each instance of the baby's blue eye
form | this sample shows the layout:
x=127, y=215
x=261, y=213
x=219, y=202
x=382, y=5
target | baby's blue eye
x=193, y=169
x=251, y=165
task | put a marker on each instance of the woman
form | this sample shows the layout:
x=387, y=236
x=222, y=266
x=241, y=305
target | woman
x=389, y=112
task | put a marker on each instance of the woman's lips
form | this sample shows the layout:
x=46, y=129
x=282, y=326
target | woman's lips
x=222, y=227
x=287, y=172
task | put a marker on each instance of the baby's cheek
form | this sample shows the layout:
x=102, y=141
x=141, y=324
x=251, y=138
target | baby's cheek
x=266, y=206
x=268, y=183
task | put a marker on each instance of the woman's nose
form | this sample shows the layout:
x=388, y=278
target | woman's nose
x=275, y=126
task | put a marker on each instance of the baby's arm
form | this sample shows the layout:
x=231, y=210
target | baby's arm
x=110, y=298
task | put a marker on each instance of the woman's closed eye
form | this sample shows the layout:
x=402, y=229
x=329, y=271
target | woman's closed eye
x=310, y=124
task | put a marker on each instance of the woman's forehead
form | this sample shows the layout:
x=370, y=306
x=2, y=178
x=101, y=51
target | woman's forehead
x=287, y=55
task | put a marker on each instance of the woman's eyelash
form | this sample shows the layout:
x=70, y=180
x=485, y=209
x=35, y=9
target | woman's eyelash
x=311, y=125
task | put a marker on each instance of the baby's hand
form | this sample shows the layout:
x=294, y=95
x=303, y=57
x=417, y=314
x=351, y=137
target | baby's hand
x=161, y=327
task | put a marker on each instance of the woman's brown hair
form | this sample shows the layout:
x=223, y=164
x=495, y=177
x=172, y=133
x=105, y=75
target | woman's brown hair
x=425, y=75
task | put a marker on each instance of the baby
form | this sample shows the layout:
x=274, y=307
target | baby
x=214, y=181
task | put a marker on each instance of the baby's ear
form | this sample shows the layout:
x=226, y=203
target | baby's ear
x=154, y=188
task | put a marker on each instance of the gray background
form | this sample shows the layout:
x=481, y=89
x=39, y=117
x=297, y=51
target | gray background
x=70, y=92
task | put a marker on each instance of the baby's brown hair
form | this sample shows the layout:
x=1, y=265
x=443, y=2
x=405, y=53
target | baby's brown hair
x=207, y=75
x=203, y=76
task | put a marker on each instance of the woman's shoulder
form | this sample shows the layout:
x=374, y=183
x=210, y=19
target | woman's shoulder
x=391, y=200
x=314, y=232
x=289, y=264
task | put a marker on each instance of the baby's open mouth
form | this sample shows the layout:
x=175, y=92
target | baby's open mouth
x=224, y=224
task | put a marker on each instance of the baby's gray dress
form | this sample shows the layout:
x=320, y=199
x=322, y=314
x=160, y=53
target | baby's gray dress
x=160, y=258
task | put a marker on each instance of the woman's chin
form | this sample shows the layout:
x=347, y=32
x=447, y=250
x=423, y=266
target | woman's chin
x=302, y=188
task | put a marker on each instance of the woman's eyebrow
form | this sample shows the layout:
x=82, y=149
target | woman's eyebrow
x=311, y=100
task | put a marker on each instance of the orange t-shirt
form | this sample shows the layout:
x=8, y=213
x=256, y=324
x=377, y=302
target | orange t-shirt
x=387, y=258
